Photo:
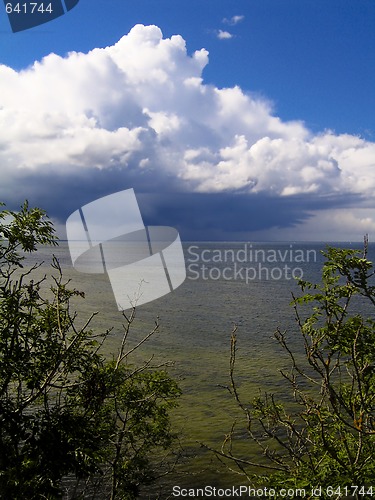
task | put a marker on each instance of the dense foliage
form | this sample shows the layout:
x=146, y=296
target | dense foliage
x=70, y=420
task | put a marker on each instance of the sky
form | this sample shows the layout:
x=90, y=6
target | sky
x=249, y=120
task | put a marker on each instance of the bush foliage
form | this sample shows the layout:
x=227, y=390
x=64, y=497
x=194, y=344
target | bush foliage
x=327, y=437
x=70, y=419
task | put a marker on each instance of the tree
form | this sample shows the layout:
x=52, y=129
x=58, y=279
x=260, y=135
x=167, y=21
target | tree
x=70, y=419
x=325, y=435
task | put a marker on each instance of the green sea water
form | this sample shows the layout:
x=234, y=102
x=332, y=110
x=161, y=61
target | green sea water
x=196, y=322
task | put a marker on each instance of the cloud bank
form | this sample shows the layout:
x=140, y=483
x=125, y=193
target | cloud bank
x=138, y=114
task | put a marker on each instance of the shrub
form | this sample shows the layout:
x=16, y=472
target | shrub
x=66, y=410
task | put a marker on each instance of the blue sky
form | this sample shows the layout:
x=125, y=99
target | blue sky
x=287, y=152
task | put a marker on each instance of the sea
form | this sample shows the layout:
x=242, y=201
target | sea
x=242, y=286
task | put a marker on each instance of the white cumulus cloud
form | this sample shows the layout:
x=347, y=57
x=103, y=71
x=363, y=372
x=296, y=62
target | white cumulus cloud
x=224, y=35
x=233, y=20
x=141, y=106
